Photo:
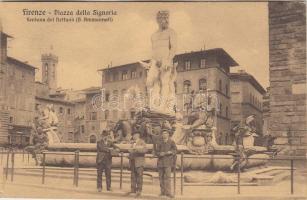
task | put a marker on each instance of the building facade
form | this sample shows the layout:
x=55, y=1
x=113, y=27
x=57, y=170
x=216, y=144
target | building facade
x=246, y=99
x=94, y=118
x=4, y=113
x=17, y=97
x=205, y=72
x=116, y=83
x=287, y=47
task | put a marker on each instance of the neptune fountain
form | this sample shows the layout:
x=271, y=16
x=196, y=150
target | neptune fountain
x=194, y=132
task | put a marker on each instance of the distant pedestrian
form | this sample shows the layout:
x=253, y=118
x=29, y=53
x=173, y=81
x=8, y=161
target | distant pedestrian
x=104, y=160
x=166, y=152
x=137, y=162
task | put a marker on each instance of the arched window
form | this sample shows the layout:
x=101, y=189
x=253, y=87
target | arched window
x=93, y=139
x=187, y=86
x=202, y=84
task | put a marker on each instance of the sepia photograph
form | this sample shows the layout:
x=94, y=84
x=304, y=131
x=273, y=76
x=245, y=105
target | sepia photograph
x=153, y=100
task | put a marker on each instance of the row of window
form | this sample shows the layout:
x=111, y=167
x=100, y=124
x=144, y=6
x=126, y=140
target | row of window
x=187, y=64
x=125, y=75
x=187, y=85
x=22, y=74
x=93, y=115
x=60, y=111
x=115, y=94
x=202, y=86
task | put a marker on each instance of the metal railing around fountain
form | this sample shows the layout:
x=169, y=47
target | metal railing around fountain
x=238, y=169
x=10, y=153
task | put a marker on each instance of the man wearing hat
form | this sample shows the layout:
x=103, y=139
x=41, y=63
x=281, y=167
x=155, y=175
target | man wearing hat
x=137, y=162
x=166, y=152
x=104, y=160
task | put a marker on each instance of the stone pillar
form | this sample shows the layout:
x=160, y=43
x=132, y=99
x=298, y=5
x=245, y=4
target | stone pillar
x=287, y=43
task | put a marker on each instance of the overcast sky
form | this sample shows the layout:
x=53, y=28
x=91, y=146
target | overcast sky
x=83, y=48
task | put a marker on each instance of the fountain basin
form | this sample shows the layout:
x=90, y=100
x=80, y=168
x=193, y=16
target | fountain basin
x=62, y=154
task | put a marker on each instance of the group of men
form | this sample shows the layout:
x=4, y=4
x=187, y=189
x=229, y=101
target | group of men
x=165, y=151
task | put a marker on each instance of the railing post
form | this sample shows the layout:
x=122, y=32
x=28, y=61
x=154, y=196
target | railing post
x=292, y=176
x=23, y=154
x=181, y=173
x=7, y=164
x=239, y=173
x=174, y=178
x=44, y=168
x=121, y=171
x=28, y=157
x=76, y=168
x=12, y=166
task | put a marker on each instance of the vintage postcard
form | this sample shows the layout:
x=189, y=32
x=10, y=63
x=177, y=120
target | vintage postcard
x=153, y=100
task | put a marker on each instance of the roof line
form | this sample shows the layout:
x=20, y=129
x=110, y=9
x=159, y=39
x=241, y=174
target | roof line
x=54, y=99
x=122, y=65
x=14, y=60
x=253, y=80
x=234, y=63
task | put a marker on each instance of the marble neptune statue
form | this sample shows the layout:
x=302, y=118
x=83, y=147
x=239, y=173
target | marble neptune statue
x=161, y=70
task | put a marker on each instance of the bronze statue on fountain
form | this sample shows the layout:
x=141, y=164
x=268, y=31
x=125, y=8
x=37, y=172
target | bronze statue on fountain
x=44, y=132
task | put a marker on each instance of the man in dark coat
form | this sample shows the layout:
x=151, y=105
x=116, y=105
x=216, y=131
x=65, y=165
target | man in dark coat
x=104, y=160
x=166, y=152
x=137, y=162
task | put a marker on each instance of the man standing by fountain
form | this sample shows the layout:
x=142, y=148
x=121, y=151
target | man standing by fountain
x=104, y=160
x=137, y=162
x=166, y=152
